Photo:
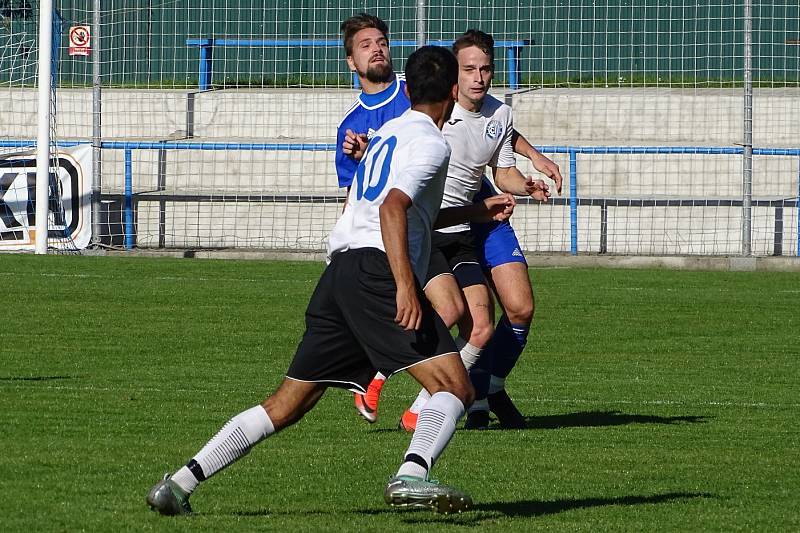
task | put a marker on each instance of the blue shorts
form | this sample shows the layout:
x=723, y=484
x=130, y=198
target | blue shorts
x=495, y=242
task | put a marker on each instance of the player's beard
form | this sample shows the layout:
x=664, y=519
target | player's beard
x=380, y=73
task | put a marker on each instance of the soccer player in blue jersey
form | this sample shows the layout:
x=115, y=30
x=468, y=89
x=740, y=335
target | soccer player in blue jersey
x=383, y=96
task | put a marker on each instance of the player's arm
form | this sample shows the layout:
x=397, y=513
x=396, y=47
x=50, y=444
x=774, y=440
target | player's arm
x=512, y=181
x=349, y=145
x=345, y=165
x=540, y=162
x=499, y=207
x=394, y=232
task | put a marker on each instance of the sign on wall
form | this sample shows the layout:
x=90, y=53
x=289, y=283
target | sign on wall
x=69, y=197
x=80, y=41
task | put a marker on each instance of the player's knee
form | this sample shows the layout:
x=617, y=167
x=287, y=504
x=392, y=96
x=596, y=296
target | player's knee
x=467, y=394
x=450, y=311
x=457, y=385
x=521, y=314
x=285, y=409
x=461, y=389
x=481, y=333
x=281, y=415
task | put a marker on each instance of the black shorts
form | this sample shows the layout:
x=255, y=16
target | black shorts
x=350, y=328
x=454, y=253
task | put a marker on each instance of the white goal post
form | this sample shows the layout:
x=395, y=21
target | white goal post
x=43, y=125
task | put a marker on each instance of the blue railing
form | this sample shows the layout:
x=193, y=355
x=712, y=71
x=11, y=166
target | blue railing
x=513, y=50
x=573, y=201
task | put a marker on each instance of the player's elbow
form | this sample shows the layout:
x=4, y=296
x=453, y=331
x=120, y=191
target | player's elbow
x=395, y=201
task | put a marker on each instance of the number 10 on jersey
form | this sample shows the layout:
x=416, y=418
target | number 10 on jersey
x=373, y=171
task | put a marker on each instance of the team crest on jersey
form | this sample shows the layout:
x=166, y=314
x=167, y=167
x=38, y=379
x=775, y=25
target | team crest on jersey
x=370, y=133
x=494, y=129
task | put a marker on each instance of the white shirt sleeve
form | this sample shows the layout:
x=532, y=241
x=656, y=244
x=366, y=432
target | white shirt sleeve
x=425, y=161
x=504, y=155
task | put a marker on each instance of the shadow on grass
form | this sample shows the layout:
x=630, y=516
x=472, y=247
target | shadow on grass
x=490, y=510
x=603, y=418
x=533, y=508
x=591, y=419
x=34, y=378
x=525, y=508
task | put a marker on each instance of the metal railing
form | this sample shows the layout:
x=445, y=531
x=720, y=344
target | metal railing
x=130, y=199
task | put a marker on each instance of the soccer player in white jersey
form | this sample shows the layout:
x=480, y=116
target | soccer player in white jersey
x=368, y=311
x=504, y=264
x=480, y=133
x=366, y=44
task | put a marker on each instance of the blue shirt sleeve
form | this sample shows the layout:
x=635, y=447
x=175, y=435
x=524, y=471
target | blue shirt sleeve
x=345, y=165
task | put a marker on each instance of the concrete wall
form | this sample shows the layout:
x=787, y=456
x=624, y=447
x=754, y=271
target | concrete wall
x=650, y=116
x=564, y=117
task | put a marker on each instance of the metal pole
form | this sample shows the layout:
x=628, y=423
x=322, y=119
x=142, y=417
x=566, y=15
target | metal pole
x=97, y=101
x=573, y=202
x=747, y=172
x=43, y=130
x=421, y=23
x=129, y=222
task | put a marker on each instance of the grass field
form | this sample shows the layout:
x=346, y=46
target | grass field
x=657, y=401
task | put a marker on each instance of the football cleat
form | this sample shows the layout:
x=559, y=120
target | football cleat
x=408, y=422
x=367, y=404
x=414, y=492
x=506, y=412
x=168, y=498
x=477, y=420
x=363, y=409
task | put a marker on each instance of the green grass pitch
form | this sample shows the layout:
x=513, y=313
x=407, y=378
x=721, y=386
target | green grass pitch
x=657, y=401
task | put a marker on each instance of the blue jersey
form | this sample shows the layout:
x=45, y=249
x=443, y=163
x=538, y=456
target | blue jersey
x=367, y=115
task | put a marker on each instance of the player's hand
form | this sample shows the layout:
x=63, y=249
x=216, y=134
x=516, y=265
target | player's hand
x=537, y=189
x=409, y=311
x=354, y=144
x=546, y=166
x=499, y=207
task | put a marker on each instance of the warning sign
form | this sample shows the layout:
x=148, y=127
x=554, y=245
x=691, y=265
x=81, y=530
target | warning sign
x=80, y=41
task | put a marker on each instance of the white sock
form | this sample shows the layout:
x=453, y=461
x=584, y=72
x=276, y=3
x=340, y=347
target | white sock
x=235, y=440
x=479, y=405
x=420, y=401
x=470, y=354
x=496, y=384
x=435, y=427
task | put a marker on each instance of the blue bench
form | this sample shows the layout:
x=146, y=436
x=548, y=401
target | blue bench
x=513, y=50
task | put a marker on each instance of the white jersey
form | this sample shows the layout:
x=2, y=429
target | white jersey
x=408, y=153
x=477, y=139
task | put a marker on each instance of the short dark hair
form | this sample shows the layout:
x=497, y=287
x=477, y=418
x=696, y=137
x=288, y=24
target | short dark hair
x=357, y=23
x=473, y=37
x=431, y=72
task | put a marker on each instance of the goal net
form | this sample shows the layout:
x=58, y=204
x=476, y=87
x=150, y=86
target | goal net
x=18, y=105
x=217, y=119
